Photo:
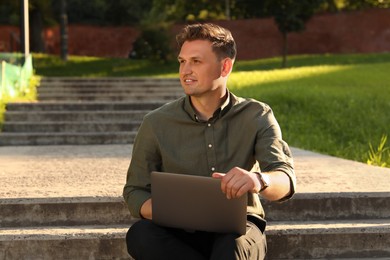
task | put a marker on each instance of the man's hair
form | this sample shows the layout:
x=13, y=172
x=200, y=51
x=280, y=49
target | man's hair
x=221, y=39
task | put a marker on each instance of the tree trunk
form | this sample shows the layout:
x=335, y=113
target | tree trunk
x=64, y=31
x=227, y=9
x=285, y=50
x=37, y=43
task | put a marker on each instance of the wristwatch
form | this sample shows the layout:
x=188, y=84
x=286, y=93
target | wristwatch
x=264, y=183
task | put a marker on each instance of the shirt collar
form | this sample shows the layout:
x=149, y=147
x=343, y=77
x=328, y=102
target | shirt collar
x=221, y=111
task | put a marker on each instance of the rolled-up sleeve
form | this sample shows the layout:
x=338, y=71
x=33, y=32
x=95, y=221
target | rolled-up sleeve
x=272, y=153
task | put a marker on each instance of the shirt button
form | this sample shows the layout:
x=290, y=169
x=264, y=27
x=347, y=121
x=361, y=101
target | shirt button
x=208, y=124
x=210, y=145
x=213, y=168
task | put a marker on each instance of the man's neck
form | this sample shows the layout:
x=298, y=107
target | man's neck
x=205, y=107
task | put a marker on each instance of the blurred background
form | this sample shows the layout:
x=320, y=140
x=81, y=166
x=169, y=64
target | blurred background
x=146, y=29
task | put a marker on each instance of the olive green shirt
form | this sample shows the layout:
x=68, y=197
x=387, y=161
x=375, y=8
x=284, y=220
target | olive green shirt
x=242, y=133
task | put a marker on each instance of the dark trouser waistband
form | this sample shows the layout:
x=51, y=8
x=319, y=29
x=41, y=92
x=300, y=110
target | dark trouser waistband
x=259, y=222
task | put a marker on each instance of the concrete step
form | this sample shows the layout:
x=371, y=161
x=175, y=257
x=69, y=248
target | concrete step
x=78, y=242
x=84, y=106
x=72, y=211
x=330, y=206
x=106, y=97
x=150, y=89
x=70, y=126
x=86, y=111
x=112, y=210
x=329, y=239
x=74, y=115
x=140, y=80
x=289, y=240
x=7, y=139
x=107, y=84
x=114, y=90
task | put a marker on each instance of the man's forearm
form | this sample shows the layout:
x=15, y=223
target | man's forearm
x=279, y=185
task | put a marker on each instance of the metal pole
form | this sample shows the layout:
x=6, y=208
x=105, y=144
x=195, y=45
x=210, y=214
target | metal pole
x=24, y=28
x=64, y=31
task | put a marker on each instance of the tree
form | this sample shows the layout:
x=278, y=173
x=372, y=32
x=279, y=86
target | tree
x=154, y=41
x=244, y=9
x=291, y=16
x=40, y=14
x=124, y=12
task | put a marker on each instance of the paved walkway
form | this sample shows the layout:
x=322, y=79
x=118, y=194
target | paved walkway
x=100, y=170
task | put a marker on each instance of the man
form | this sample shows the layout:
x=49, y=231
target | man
x=209, y=132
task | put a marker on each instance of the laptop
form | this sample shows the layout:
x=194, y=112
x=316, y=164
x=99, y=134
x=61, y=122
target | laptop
x=196, y=203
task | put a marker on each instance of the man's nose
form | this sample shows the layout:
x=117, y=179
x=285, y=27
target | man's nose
x=186, y=69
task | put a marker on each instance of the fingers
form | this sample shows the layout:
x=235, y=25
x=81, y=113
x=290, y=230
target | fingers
x=236, y=187
x=235, y=183
x=218, y=175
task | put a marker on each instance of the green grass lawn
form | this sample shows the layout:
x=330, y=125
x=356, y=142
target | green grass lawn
x=333, y=109
x=333, y=104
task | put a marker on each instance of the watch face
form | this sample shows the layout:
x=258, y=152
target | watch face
x=264, y=184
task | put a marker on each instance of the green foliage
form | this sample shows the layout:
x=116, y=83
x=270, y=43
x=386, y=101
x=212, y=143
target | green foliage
x=153, y=44
x=124, y=12
x=362, y=4
x=381, y=155
x=248, y=9
x=290, y=15
x=10, y=11
x=105, y=12
x=90, y=12
x=352, y=5
x=182, y=10
x=29, y=95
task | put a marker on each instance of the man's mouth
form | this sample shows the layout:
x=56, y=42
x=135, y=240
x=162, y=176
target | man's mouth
x=189, y=80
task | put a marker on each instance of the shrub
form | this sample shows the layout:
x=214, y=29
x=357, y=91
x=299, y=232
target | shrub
x=152, y=44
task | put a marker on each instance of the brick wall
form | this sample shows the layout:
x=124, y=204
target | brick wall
x=355, y=32
x=89, y=40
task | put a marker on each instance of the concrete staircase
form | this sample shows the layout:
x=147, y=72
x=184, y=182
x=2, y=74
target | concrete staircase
x=310, y=226
x=72, y=111
x=85, y=111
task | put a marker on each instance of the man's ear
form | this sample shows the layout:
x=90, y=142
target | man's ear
x=227, y=66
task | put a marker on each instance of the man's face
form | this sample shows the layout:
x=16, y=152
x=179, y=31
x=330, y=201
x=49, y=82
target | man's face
x=200, y=69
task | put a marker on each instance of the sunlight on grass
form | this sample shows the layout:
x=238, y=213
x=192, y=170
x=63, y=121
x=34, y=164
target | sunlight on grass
x=244, y=79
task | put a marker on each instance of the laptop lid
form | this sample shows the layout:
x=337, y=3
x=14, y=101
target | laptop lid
x=196, y=203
